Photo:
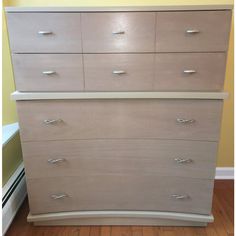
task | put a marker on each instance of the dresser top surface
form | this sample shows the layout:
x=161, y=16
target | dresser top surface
x=122, y=8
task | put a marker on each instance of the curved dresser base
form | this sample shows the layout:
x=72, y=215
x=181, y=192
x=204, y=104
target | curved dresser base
x=121, y=218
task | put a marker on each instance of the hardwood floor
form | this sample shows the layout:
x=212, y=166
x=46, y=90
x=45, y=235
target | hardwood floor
x=223, y=211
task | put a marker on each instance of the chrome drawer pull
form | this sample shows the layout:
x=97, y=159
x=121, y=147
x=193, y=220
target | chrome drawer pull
x=192, y=31
x=185, y=121
x=49, y=72
x=44, y=32
x=118, y=32
x=55, y=161
x=118, y=72
x=190, y=71
x=51, y=122
x=60, y=196
x=178, y=196
x=182, y=161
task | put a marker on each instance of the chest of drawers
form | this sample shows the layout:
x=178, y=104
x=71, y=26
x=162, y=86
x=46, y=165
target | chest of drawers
x=119, y=111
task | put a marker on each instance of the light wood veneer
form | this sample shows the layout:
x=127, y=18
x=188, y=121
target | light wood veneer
x=119, y=111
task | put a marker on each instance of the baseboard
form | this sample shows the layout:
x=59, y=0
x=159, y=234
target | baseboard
x=13, y=194
x=224, y=173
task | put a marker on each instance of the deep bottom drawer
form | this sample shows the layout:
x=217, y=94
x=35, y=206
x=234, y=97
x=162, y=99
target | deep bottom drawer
x=120, y=192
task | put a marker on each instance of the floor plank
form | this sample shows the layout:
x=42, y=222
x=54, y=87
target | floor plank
x=223, y=211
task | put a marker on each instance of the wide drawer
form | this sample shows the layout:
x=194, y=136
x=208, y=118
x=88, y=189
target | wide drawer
x=193, y=159
x=48, y=72
x=119, y=72
x=141, y=118
x=118, y=32
x=192, y=31
x=44, y=32
x=120, y=192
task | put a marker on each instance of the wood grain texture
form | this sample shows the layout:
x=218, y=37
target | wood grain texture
x=92, y=119
x=166, y=74
x=214, y=27
x=68, y=70
x=224, y=189
x=139, y=72
x=23, y=32
x=148, y=192
x=117, y=156
x=170, y=67
x=138, y=36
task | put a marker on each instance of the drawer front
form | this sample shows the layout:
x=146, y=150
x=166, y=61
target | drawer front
x=193, y=31
x=193, y=159
x=48, y=72
x=119, y=72
x=144, y=118
x=99, y=192
x=118, y=32
x=44, y=32
x=190, y=71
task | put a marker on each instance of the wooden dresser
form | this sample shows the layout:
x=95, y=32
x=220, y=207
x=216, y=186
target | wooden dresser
x=119, y=111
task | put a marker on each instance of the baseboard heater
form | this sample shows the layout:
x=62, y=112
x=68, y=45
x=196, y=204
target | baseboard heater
x=13, y=194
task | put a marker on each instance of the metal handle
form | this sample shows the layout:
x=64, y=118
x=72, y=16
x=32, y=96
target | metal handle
x=118, y=72
x=118, y=32
x=185, y=121
x=55, y=161
x=44, y=32
x=192, y=31
x=190, y=71
x=179, y=196
x=182, y=160
x=49, y=72
x=52, y=121
x=58, y=196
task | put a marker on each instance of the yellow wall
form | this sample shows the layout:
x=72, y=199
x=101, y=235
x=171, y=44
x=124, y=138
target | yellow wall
x=226, y=148
x=11, y=158
x=8, y=106
x=11, y=153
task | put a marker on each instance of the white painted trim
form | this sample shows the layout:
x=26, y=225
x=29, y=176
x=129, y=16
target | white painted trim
x=120, y=214
x=8, y=132
x=224, y=173
x=9, y=183
x=117, y=95
x=123, y=8
x=14, y=202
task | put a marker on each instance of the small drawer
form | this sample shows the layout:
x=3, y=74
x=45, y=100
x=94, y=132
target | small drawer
x=110, y=192
x=118, y=32
x=192, y=31
x=44, y=32
x=48, y=72
x=191, y=159
x=119, y=72
x=190, y=71
x=141, y=118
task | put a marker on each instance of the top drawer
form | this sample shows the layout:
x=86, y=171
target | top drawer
x=44, y=32
x=192, y=31
x=116, y=32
